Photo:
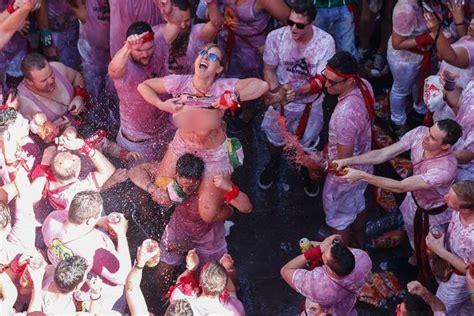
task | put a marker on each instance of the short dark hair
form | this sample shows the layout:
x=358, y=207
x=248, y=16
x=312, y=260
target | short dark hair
x=305, y=8
x=69, y=273
x=452, y=129
x=7, y=117
x=190, y=167
x=342, y=260
x=5, y=215
x=415, y=306
x=179, y=308
x=85, y=205
x=182, y=5
x=33, y=61
x=139, y=27
x=343, y=62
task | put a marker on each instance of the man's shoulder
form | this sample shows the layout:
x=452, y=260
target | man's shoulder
x=278, y=33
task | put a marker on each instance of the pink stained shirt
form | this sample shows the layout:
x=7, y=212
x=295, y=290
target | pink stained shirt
x=338, y=295
x=61, y=198
x=140, y=120
x=460, y=239
x=125, y=12
x=94, y=34
x=296, y=63
x=465, y=118
x=349, y=125
x=182, y=84
x=184, y=63
x=250, y=29
x=96, y=247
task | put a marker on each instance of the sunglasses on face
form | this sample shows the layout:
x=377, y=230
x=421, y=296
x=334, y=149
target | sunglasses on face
x=331, y=82
x=299, y=26
x=210, y=56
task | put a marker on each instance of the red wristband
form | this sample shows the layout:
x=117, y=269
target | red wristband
x=232, y=194
x=88, y=149
x=81, y=92
x=316, y=84
x=10, y=8
x=3, y=106
x=123, y=154
x=313, y=254
x=424, y=40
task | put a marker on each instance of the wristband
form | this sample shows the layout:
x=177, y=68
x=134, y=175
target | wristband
x=232, y=194
x=316, y=84
x=459, y=24
x=46, y=38
x=81, y=92
x=10, y=8
x=88, y=149
x=3, y=106
x=137, y=266
x=424, y=40
x=123, y=154
x=313, y=254
x=471, y=292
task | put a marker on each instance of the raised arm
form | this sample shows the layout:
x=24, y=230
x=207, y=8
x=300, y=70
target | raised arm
x=14, y=21
x=149, y=89
x=251, y=88
x=118, y=64
x=213, y=27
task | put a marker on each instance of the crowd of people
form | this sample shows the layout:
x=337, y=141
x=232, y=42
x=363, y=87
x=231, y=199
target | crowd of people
x=97, y=94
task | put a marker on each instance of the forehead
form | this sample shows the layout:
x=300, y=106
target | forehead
x=436, y=132
x=299, y=18
x=40, y=74
x=215, y=50
x=146, y=46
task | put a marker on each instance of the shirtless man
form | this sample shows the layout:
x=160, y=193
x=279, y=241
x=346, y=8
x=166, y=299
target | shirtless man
x=200, y=130
x=184, y=39
x=52, y=88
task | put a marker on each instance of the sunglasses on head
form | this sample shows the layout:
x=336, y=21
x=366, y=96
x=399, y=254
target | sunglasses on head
x=210, y=56
x=299, y=26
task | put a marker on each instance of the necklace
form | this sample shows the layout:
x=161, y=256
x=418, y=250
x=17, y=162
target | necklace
x=199, y=91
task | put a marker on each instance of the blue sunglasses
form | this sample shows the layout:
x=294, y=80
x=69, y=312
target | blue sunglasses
x=211, y=56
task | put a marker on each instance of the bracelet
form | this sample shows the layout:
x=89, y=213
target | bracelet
x=137, y=266
x=459, y=24
x=471, y=292
x=10, y=8
x=232, y=194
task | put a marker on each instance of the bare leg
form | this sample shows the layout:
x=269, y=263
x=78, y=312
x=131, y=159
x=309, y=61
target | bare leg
x=167, y=166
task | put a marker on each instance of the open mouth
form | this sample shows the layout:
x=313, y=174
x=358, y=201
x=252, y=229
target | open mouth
x=203, y=65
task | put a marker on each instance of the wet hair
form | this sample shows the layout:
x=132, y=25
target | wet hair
x=7, y=117
x=69, y=273
x=189, y=166
x=465, y=192
x=62, y=168
x=305, y=8
x=5, y=215
x=34, y=61
x=452, y=129
x=342, y=260
x=85, y=205
x=139, y=27
x=213, y=278
x=179, y=308
x=415, y=306
x=182, y=5
x=343, y=62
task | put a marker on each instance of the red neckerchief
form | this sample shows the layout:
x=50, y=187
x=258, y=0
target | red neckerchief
x=369, y=100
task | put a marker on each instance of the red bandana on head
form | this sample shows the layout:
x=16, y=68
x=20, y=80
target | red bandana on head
x=148, y=37
x=369, y=100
